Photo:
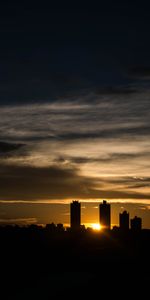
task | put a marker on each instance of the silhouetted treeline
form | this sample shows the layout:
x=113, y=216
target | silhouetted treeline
x=53, y=261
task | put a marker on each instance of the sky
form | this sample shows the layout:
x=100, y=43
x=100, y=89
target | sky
x=74, y=110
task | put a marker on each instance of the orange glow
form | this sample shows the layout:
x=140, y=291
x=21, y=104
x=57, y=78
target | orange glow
x=96, y=226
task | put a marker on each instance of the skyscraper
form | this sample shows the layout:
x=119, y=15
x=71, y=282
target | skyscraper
x=75, y=215
x=136, y=223
x=124, y=220
x=105, y=215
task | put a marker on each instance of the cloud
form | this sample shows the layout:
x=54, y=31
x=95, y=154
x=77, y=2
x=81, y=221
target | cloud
x=128, y=182
x=26, y=182
x=107, y=133
x=96, y=142
x=6, y=147
x=105, y=158
x=86, y=117
x=18, y=221
x=54, y=183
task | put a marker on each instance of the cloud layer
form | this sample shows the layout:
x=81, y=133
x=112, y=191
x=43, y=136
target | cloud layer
x=87, y=147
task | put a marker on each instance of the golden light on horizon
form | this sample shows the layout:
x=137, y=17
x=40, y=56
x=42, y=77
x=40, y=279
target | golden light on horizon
x=96, y=226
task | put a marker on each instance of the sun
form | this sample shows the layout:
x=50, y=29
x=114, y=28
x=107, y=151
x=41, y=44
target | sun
x=96, y=226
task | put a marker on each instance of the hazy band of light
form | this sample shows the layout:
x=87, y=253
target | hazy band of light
x=19, y=220
x=67, y=201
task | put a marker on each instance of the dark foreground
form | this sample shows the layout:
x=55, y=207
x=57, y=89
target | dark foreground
x=41, y=264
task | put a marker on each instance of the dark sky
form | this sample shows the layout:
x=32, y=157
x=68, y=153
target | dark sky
x=74, y=105
x=50, y=50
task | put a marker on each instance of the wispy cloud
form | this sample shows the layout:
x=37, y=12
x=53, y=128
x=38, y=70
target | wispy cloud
x=18, y=221
x=55, y=183
x=97, y=142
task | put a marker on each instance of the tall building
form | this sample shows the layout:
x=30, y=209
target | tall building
x=136, y=223
x=105, y=215
x=75, y=215
x=124, y=220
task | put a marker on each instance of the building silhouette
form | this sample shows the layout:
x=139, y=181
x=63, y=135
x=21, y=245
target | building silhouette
x=75, y=215
x=136, y=223
x=124, y=220
x=105, y=215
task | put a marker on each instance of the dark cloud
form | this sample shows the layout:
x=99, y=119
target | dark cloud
x=28, y=183
x=138, y=186
x=141, y=130
x=111, y=157
x=128, y=182
x=54, y=183
x=6, y=147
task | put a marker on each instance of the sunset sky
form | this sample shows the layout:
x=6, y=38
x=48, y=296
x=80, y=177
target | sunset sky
x=74, y=110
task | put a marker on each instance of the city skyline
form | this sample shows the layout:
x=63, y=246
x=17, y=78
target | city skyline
x=105, y=208
x=60, y=213
x=126, y=221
